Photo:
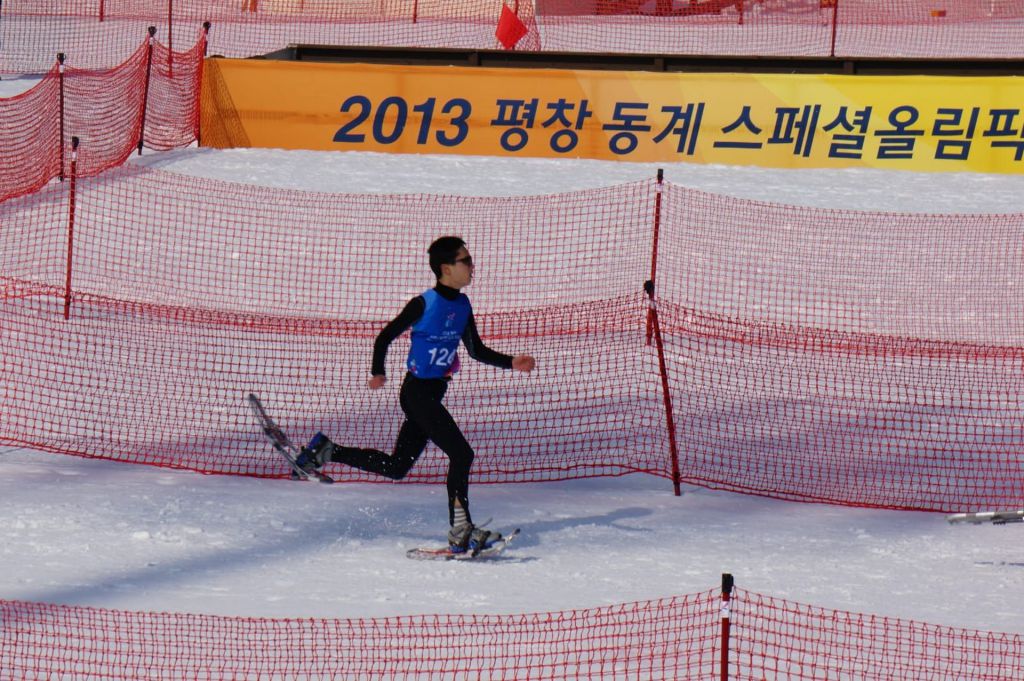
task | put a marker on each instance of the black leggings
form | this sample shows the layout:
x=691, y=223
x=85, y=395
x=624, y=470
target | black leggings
x=426, y=419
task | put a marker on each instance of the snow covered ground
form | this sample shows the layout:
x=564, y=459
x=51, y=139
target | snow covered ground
x=138, y=538
x=358, y=172
x=96, y=533
x=11, y=86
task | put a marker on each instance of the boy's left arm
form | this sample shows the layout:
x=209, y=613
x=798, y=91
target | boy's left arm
x=480, y=352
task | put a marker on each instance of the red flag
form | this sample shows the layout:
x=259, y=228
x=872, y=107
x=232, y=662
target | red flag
x=510, y=29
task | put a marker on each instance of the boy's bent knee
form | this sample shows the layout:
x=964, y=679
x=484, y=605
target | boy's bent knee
x=399, y=471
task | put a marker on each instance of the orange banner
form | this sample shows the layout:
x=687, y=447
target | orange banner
x=797, y=121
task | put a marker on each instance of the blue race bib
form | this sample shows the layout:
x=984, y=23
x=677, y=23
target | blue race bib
x=436, y=336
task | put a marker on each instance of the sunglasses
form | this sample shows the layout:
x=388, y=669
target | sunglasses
x=467, y=261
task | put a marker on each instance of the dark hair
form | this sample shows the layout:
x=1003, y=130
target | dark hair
x=443, y=252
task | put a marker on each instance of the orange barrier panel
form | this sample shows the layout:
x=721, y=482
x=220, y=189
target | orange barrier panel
x=922, y=123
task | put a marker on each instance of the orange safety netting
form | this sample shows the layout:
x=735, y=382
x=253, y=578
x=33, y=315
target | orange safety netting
x=859, y=358
x=670, y=638
x=150, y=100
x=813, y=28
x=101, y=33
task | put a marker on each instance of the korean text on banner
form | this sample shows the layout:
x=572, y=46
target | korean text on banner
x=789, y=121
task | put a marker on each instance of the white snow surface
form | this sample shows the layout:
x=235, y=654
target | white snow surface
x=11, y=86
x=374, y=173
x=97, y=533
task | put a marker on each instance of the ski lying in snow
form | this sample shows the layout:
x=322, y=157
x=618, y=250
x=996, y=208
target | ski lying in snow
x=994, y=517
x=282, y=444
x=444, y=553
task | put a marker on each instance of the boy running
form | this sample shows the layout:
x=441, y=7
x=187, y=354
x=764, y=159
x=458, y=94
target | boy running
x=440, y=317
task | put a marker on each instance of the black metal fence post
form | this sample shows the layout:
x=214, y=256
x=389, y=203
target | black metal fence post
x=170, y=37
x=199, y=90
x=654, y=248
x=145, y=95
x=670, y=422
x=72, y=190
x=727, y=585
x=60, y=71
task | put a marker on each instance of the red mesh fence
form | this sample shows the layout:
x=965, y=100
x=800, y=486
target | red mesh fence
x=156, y=96
x=664, y=639
x=930, y=28
x=704, y=27
x=30, y=136
x=172, y=109
x=776, y=639
x=858, y=358
x=190, y=293
x=812, y=351
x=671, y=638
x=33, y=33
x=844, y=28
x=101, y=33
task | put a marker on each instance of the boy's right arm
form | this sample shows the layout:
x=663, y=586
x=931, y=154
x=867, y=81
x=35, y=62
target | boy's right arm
x=409, y=315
